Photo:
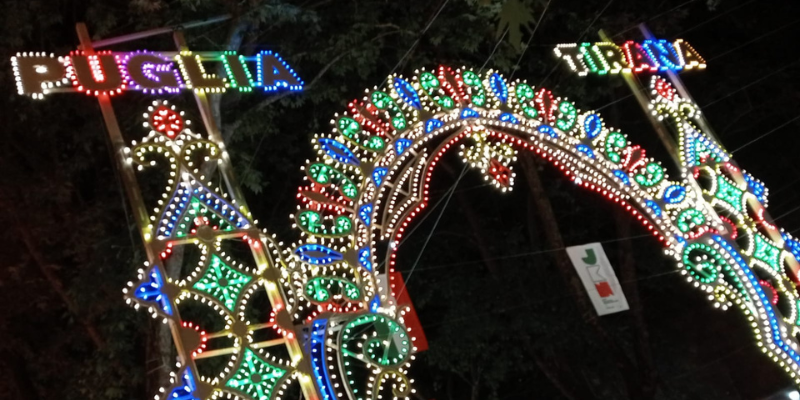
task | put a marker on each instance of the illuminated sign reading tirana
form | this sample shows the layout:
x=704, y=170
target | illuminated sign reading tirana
x=110, y=73
x=629, y=57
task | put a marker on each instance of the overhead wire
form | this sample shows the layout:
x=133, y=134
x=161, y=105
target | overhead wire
x=419, y=37
x=765, y=134
x=579, y=39
x=430, y=234
x=752, y=83
x=449, y=195
x=526, y=254
x=541, y=300
x=754, y=40
x=632, y=27
x=528, y=43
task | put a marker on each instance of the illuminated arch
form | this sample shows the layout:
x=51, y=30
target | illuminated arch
x=387, y=144
x=331, y=302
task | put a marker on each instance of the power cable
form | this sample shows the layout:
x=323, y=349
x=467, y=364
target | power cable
x=751, y=83
x=714, y=18
x=654, y=17
x=540, y=300
x=786, y=213
x=765, y=134
x=430, y=234
x=528, y=43
x=754, y=40
x=496, y=45
x=419, y=37
x=525, y=254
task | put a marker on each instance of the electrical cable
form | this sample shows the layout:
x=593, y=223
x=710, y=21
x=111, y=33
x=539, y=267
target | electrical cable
x=714, y=18
x=654, y=17
x=430, y=234
x=496, y=45
x=540, y=300
x=524, y=254
x=751, y=83
x=528, y=43
x=754, y=40
x=419, y=37
x=765, y=134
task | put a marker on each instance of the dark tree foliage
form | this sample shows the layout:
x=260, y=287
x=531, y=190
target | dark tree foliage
x=501, y=320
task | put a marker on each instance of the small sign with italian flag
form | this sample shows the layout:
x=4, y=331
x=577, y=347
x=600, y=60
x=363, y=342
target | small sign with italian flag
x=598, y=278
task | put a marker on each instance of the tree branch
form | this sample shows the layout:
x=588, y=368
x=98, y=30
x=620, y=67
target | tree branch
x=230, y=129
x=57, y=286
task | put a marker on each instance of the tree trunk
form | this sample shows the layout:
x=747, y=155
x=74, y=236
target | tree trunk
x=554, y=241
x=645, y=386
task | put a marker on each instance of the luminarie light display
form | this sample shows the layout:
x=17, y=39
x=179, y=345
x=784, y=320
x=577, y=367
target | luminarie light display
x=334, y=325
x=649, y=56
x=110, y=73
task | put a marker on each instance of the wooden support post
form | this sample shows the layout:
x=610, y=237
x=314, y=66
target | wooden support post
x=118, y=146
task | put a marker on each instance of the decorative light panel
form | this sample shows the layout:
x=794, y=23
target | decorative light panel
x=110, y=73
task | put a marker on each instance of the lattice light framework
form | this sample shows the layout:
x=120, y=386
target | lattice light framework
x=372, y=174
x=233, y=334
x=333, y=302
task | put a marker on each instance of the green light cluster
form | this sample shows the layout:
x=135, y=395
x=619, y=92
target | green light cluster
x=380, y=339
x=325, y=175
x=383, y=101
x=432, y=87
x=525, y=96
x=654, y=174
x=313, y=223
x=690, y=218
x=255, y=377
x=767, y=252
x=703, y=262
x=473, y=81
x=321, y=289
x=729, y=193
x=615, y=141
x=351, y=130
x=222, y=282
x=569, y=115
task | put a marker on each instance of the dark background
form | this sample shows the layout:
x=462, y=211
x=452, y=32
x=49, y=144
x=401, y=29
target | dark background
x=500, y=321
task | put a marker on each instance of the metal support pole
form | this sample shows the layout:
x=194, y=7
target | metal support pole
x=705, y=126
x=666, y=137
x=118, y=146
x=678, y=84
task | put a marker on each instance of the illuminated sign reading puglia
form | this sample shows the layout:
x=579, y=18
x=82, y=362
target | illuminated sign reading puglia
x=110, y=73
x=630, y=57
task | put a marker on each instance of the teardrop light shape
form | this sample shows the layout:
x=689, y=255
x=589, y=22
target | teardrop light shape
x=401, y=145
x=338, y=151
x=499, y=87
x=365, y=213
x=432, y=124
x=407, y=93
x=674, y=194
x=378, y=174
x=592, y=125
x=317, y=254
